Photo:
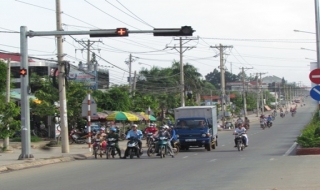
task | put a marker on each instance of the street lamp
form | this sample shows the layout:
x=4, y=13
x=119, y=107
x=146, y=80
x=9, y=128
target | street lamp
x=304, y=31
x=308, y=49
x=144, y=64
x=310, y=59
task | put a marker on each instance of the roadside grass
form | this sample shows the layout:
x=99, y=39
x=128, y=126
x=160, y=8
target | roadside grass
x=33, y=139
x=310, y=135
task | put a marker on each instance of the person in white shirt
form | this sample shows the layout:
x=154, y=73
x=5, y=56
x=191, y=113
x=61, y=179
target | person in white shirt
x=240, y=129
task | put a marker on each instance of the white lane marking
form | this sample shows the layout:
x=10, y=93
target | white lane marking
x=290, y=149
x=222, y=145
x=213, y=160
x=271, y=159
x=185, y=157
x=196, y=154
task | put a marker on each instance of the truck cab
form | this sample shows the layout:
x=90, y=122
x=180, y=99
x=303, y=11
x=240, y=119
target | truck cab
x=196, y=126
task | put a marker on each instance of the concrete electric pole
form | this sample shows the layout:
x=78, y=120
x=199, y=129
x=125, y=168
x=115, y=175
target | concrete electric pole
x=244, y=93
x=88, y=44
x=221, y=49
x=261, y=91
x=6, y=139
x=181, y=51
x=62, y=85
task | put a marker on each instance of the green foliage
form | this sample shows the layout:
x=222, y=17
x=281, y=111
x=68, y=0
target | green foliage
x=8, y=122
x=310, y=136
x=3, y=76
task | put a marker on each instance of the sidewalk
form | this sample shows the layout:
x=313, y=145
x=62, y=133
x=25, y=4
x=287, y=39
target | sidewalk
x=9, y=160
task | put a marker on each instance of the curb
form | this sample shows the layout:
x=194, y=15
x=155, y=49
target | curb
x=29, y=164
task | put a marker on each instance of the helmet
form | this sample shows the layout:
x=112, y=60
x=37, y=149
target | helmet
x=134, y=125
x=113, y=129
x=165, y=127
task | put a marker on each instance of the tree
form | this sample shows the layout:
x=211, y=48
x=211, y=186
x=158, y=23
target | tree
x=215, y=78
x=9, y=123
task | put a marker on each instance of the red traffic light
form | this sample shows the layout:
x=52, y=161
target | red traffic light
x=23, y=72
x=122, y=31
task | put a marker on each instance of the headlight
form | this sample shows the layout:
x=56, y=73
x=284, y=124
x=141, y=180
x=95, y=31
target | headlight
x=177, y=136
x=204, y=135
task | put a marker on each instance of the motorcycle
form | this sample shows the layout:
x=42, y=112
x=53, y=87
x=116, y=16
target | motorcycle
x=262, y=123
x=240, y=141
x=149, y=138
x=163, y=147
x=247, y=126
x=97, y=148
x=293, y=113
x=269, y=124
x=176, y=147
x=282, y=115
x=122, y=136
x=75, y=137
x=133, y=148
x=111, y=148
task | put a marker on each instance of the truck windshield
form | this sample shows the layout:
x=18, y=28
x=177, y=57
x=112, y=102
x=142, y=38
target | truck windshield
x=191, y=124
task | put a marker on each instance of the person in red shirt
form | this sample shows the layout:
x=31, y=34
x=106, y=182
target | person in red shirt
x=151, y=129
x=150, y=132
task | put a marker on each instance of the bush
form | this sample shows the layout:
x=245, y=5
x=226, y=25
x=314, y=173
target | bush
x=33, y=139
x=310, y=136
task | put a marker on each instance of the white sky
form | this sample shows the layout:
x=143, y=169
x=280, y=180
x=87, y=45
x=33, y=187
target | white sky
x=260, y=31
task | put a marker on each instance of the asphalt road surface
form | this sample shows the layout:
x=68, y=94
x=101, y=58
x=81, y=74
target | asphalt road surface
x=265, y=164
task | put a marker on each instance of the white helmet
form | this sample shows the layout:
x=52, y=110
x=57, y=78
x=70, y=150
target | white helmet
x=165, y=127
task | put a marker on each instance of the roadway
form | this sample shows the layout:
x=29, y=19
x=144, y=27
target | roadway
x=265, y=164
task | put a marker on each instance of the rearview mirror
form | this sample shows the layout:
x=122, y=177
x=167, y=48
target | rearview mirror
x=210, y=125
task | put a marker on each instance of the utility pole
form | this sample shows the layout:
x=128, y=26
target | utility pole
x=261, y=91
x=222, y=79
x=258, y=95
x=88, y=44
x=244, y=94
x=130, y=81
x=181, y=51
x=62, y=85
x=6, y=139
x=134, y=82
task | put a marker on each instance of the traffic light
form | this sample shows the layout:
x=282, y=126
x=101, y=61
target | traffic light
x=23, y=72
x=119, y=32
x=183, y=31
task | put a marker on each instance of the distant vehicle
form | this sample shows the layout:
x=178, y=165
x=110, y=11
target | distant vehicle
x=189, y=130
x=297, y=101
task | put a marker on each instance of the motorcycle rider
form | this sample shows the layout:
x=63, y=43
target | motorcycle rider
x=113, y=134
x=164, y=133
x=239, y=121
x=151, y=129
x=240, y=129
x=134, y=132
x=246, y=121
x=269, y=119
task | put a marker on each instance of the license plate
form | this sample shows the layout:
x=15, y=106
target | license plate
x=191, y=140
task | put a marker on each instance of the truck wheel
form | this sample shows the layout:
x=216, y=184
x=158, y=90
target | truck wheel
x=208, y=147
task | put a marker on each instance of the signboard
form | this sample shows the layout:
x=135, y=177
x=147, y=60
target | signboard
x=315, y=76
x=315, y=93
x=87, y=77
x=93, y=108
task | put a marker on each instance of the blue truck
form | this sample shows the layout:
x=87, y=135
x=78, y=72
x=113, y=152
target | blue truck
x=196, y=126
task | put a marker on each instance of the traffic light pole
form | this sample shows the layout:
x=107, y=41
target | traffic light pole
x=24, y=34
x=25, y=111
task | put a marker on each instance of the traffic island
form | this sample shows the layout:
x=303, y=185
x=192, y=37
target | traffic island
x=307, y=151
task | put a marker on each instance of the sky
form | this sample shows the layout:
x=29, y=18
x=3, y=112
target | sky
x=261, y=33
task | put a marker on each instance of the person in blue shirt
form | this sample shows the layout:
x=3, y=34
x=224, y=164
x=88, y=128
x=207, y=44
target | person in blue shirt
x=269, y=119
x=134, y=132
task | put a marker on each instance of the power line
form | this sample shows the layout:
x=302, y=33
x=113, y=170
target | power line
x=137, y=18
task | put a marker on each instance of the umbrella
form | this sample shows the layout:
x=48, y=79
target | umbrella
x=122, y=116
x=148, y=117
